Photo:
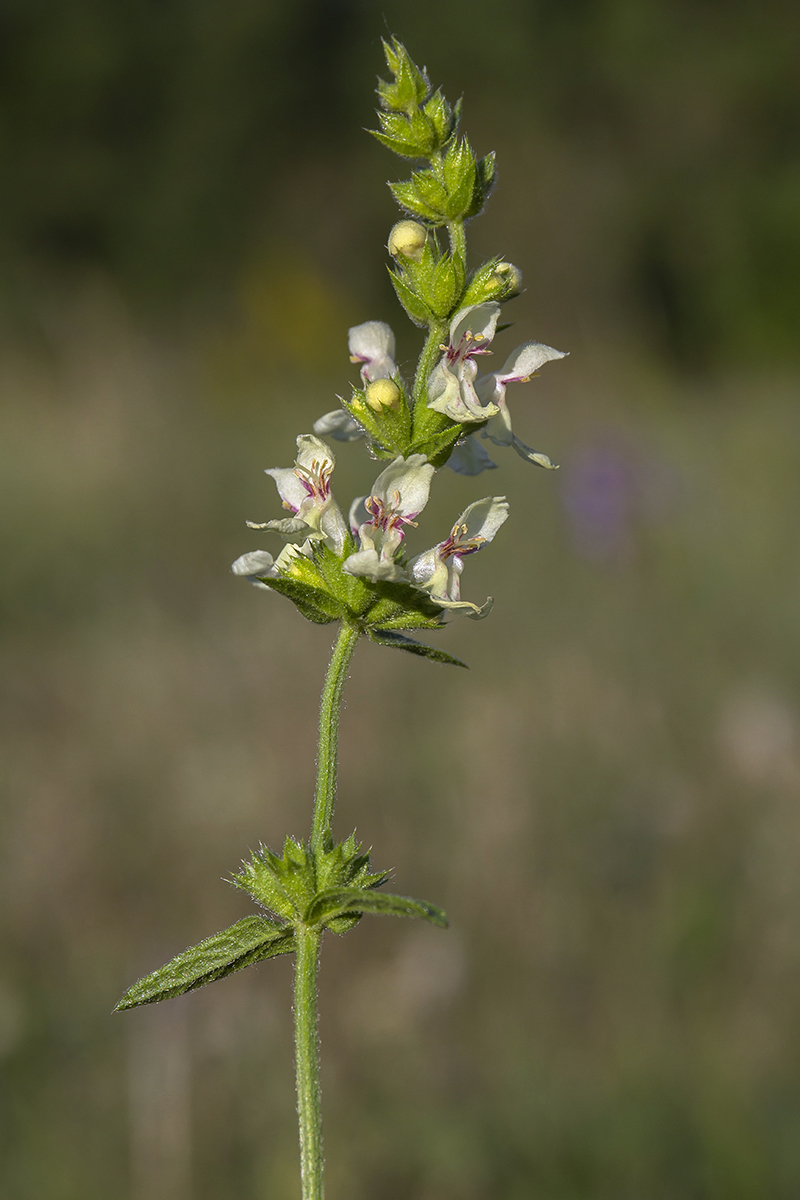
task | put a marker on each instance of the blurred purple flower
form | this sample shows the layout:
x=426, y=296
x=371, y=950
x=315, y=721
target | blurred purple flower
x=609, y=490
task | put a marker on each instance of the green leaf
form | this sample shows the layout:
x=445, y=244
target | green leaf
x=407, y=196
x=459, y=170
x=411, y=85
x=483, y=285
x=334, y=903
x=400, y=599
x=249, y=941
x=440, y=115
x=415, y=307
x=312, y=603
x=484, y=182
x=385, y=637
x=409, y=136
x=447, y=285
x=441, y=443
x=431, y=190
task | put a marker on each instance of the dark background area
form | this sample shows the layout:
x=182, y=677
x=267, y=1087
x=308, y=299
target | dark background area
x=606, y=805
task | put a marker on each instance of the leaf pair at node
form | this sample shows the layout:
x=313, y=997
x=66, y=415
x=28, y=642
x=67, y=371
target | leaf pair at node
x=318, y=889
x=418, y=125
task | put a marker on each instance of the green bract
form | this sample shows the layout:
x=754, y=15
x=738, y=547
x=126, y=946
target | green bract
x=303, y=888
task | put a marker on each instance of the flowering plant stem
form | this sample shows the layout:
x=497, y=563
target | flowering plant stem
x=328, y=747
x=306, y=1044
x=358, y=572
x=437, y=332
x=306, y=970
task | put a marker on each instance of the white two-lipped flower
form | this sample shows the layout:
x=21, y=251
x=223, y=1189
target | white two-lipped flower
x=305, y=490
x=398, y=496
x=451, y=387
x=519, y=367
x=438, y=570
x=455, y=390
x=372, y=345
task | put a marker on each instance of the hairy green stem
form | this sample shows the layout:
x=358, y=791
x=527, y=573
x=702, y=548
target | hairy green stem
x=437, y=334
x=328, y=750
x=306, y=967
x=306, y=1044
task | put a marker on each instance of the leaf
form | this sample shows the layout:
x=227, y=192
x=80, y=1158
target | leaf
x=411, y=302
x=386, y=637
x=337, y=902
x=406, y=195
x=250, y=940
x=459, y=170
x=484, y=182
x=312, y=603
x=438, y=443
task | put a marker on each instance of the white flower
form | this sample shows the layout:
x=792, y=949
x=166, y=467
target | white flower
x=451, y=384
x=438, y=570
x=372, y=345
x=469, y=457
x=259, y=564
x=398, y=495
x=305, y=490
x=339, y=425
x=491, y=389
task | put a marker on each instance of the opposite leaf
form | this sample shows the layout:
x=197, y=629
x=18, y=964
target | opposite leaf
x=386, y=637
x=337, y=902
x=248, y=941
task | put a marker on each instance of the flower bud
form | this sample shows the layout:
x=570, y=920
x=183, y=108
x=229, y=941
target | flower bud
x=381, y=394
x=407, y=238
x=509, y=278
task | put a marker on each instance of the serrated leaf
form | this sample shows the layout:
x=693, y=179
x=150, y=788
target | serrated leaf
x=485, y=175
x=482, y=285
x=396, y=598
x=439, y=113
x=335, y=903
x=430, y=190
x=409, y=136
x=415, y=307
x=411, y=85
x=439, y=443
x=447, y=285
x=409, y=619
x=312, y=603
x=459, y=169
x=406, y=196
x=385, y=637
x=249, y=941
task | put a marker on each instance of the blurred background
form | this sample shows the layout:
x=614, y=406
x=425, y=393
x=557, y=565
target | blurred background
x=606, y=805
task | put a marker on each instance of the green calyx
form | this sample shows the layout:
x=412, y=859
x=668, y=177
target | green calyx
x=323, y=592
x=430, y=288
x=302, y=890
x=455, y=186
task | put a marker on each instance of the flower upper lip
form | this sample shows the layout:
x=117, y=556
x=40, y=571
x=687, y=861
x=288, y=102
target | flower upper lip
x=438, y=570
x=398, y=496
x=305, y=491
x=451, y=387
x=372, y=344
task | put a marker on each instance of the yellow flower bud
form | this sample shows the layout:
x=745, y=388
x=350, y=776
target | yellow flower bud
x=382, y=393
x=407, y=238
x=511, y=277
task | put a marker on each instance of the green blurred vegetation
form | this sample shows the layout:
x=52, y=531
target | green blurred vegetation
x=606, y=805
